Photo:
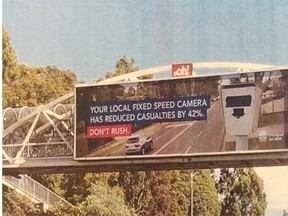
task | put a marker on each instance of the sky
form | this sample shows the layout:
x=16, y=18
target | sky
x=275, y=181
x=89, y=36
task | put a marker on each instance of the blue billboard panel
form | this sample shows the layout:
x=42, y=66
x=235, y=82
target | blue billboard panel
x=182, y=116
x=149, y=111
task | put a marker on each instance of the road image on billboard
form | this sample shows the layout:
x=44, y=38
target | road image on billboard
x=243, y=111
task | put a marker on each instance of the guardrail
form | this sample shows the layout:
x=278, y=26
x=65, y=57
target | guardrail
x=35, y=191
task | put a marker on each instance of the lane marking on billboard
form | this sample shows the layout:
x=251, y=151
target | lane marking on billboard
x=157, y=138
x=189, y=125
x=188, y=149
x=199, y=134
x=168, y=143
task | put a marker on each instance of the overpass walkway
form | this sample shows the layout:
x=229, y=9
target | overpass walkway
x=34, y=191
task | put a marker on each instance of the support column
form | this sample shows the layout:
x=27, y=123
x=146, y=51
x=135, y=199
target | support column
x=241, y=142
x=192, y=191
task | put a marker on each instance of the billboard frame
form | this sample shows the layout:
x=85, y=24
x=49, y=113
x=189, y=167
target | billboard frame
x=191, y=156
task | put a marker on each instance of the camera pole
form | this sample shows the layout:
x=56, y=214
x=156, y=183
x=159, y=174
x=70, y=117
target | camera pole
x=241, y=142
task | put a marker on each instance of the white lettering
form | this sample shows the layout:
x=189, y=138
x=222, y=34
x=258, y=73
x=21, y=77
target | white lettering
x=142, y=106
x=164, y=105
x=192, y=103
x=181, y=114
x=183, y=71
x=119, y=118
x=98, y=109
x=96, y=119
x=119, y=108
x=119, y=131
x=98, y=131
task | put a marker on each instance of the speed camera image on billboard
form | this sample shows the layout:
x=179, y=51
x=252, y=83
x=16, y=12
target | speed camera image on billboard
x=244, y=111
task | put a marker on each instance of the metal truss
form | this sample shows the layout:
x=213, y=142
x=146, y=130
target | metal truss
x=44, y=131
x=47, y=130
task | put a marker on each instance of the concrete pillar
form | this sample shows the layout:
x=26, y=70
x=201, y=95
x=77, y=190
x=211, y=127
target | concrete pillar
x=241, y=142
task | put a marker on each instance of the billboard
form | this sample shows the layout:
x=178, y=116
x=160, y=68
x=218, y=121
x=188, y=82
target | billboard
x=179, y=116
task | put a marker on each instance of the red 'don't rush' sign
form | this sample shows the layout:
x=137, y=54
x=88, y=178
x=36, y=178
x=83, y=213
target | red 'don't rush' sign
x=104, y=131
x=179, y=70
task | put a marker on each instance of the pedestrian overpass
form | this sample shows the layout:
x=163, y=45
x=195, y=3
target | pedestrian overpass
x=34, y=191
x=41, y=139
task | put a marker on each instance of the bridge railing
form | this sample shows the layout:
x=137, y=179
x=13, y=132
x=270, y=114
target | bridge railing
x=34, y=190
x=43, y=131
x=37, y=150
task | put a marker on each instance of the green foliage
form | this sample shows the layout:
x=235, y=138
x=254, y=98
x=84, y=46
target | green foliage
x=9, y=59
x=90, y=193
x=52, y=181
x=123, y=66
x=27, y=85
x=180, y=192
x=205, y=197
x=9, y=66
x=62, y=209
x=160, y=190
x=76, y=188
x=207, y=85
x=156, y=192
x=17, y=205
x=243, y=192
x=104, y=200
x=136, y=189
x=35, y=86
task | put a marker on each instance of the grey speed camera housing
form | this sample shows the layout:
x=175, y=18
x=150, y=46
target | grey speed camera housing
x=241, y=106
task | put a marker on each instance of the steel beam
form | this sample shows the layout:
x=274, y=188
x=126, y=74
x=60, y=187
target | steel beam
x=138, y=163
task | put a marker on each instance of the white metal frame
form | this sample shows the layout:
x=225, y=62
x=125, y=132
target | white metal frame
x=48, y=111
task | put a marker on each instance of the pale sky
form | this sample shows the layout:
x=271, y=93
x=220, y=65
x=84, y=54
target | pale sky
x=88, y=37
x=276, y=186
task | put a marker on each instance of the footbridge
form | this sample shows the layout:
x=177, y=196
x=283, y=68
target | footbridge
x=41, y=139
x=34, y=191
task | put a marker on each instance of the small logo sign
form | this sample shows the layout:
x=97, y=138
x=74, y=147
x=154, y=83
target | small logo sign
x=179, y=70
x=263, y=136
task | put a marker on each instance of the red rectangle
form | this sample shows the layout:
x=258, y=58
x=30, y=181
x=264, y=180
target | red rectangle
x=179, y=70
x=105, y=131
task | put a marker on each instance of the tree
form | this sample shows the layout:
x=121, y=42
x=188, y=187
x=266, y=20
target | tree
x=105, y=200
x=51, y=181
x=27, y=85
x=136, y=189
x=35, y=86
x=9, y=59
x=75, y=187
x=156, y=192
x=180, y=192
x=242, y=191
x=123, y=66
x=9, y=67
x=17, y=205
x=205, y=197
x=160, y=186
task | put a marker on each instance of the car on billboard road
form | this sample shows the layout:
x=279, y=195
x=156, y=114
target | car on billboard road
x=138, y=144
